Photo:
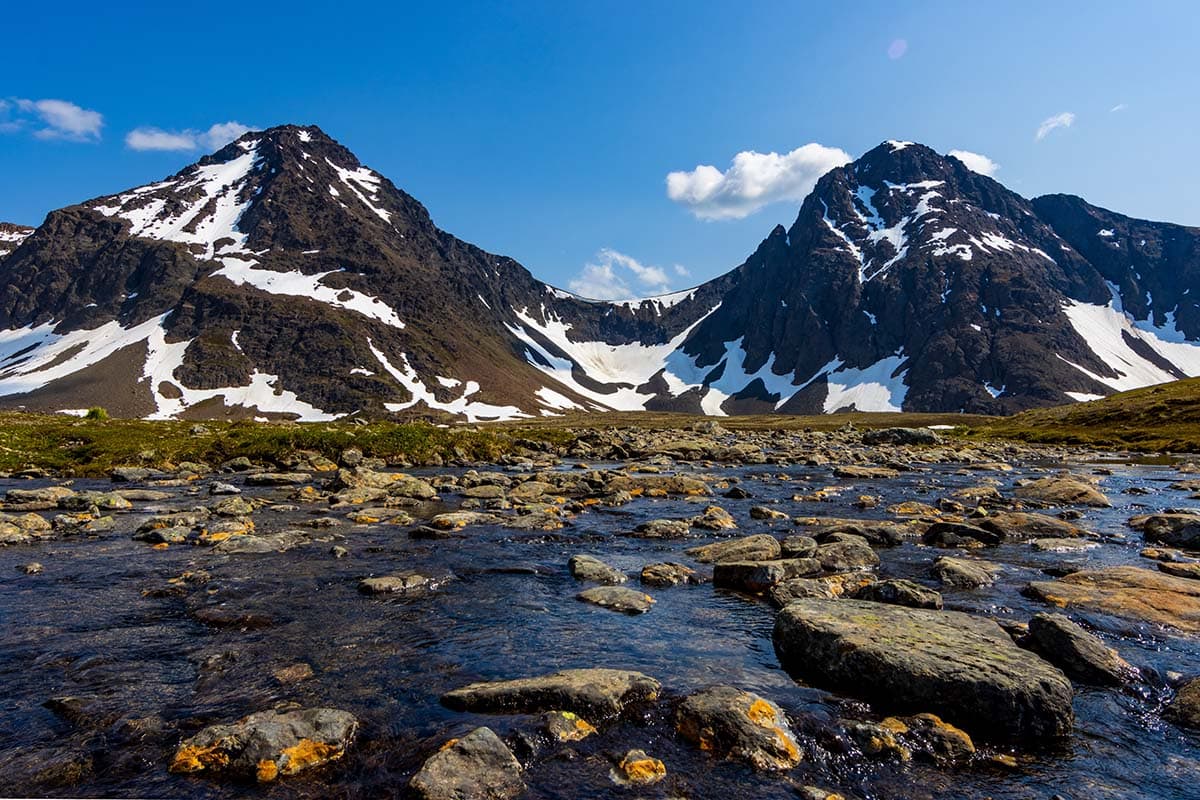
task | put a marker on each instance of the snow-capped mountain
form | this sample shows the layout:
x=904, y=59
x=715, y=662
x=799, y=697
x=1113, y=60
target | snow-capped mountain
x=279, y=276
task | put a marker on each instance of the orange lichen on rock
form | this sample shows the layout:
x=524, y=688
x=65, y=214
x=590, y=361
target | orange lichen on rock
x=307, y=753
x=191, y=758
x=761, y=713
x=639, y=768
x=266, y=771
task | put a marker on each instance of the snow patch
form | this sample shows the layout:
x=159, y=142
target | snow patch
x=407, y=377
x=878, y=387
x=1106, y=330
x=297, y=284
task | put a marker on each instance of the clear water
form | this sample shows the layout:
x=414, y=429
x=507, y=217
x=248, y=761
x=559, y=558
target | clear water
x=85, y=628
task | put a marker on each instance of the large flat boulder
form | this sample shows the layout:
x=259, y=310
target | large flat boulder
x=1129, y=592
x=962, y=667
x=590, y=692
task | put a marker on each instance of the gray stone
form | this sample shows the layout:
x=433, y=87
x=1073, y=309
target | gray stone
x=735, y=724
x=899, y=592
x=757, y=577
x=478, y=766
x=965, y=668
x=269, y=744
x=761, y=547
x=962, y=573
x=589, y=568
x=593, y=693
x=1076, y=652
x=847, y=555
x=617, y=598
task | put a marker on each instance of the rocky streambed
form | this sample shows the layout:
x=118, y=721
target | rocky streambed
x=638, y=614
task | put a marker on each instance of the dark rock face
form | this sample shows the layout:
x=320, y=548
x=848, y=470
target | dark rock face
x=964, y=668
x=279, y=276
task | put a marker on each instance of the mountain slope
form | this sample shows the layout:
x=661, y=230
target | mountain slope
x=279, y=276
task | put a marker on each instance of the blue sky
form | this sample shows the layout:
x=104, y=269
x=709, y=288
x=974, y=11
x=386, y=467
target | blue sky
x=546, y=131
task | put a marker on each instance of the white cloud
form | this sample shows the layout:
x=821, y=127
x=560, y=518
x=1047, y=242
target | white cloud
x=897, y=49
x=608, y=277
x=976, y=162
x=155, y=139
x=1064, y=120
x=681, y=270
x=223, y=133
x=1118, y=107
x=216, y=137
x=752, y=181
x=59, y=119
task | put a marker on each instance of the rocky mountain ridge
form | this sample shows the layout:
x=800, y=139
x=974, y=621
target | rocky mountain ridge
x=281, y=277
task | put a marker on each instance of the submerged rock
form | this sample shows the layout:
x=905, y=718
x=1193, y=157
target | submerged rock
x=663, y=529
x=732, y=723
x=278, y=479
x=617, y=598
x=589, y=568
x=405, y=583
x=588, y=692
x=1184, y=709
x=479, y=766
x=759, y=576
x=964, y=668
x=1076, y=652
x=269, y=744
x=855, y=472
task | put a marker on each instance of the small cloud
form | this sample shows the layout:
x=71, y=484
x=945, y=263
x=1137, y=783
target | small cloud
x=976, y=162
x=156, y=139
x=1118, y=107
x=897, y=49
x=223, y=133
x=1064, y=120
x=608, y=277
x=682, y=271
x=53, y=119
x=752, y=181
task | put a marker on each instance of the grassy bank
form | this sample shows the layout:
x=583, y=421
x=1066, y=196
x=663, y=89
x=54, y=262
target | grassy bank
x=1157, y=418
x=92, y=447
